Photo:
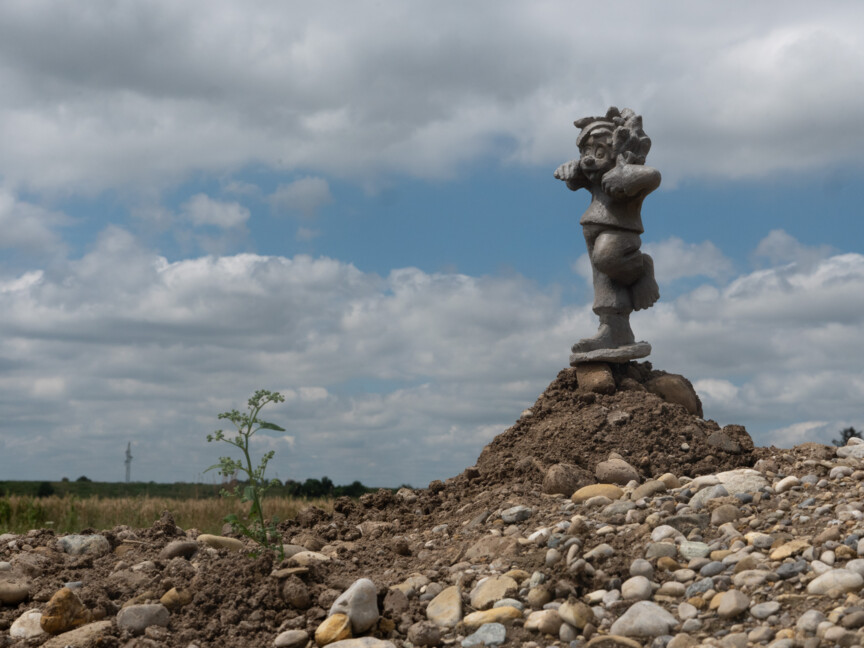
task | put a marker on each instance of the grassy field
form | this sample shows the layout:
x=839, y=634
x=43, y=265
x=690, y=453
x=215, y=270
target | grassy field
x=71, y=514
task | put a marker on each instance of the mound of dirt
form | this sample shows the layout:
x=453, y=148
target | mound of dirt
x=412, y=544
x=570, y=424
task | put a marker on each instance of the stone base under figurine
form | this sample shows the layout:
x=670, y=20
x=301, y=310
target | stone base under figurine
x=618, y=354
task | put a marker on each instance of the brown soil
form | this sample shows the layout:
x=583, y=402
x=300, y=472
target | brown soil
x=385, y=536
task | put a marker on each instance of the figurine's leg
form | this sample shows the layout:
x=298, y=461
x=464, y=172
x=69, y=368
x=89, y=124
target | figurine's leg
x=645, y=291
x=612, y=300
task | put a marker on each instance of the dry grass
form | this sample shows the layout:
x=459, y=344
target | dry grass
x=19, y=514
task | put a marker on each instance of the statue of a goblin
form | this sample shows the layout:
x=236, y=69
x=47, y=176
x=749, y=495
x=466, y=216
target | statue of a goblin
x=611, y=166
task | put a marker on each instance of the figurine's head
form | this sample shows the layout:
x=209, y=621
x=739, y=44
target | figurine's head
x=620, y=133
x=596, y=155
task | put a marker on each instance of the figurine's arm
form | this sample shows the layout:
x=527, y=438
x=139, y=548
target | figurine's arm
x=630, y=180
x=570, y=173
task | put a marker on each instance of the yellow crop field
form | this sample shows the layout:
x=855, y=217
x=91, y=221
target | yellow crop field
x=69, y=514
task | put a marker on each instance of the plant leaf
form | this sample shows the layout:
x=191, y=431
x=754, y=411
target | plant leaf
x=264, y=425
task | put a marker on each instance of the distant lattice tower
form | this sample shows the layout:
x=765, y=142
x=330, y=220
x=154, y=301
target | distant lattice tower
x=128, y=461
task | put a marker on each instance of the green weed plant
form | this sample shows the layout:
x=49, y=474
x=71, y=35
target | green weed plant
x=252, y=489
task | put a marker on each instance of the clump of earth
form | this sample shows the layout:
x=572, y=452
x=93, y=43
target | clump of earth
x=610, y=514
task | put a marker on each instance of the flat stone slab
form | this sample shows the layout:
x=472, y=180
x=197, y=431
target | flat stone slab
x=619, y=354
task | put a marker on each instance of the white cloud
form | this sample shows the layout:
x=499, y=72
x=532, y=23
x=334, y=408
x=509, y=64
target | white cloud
x=200, y=209
x=675, y=259
x=779, y=248
x=416, y=89
x=29, y=227
x=305, y=195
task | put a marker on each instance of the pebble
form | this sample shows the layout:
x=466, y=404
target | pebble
x=644, y=619
x=363, y=642
x=495, y=615
x=64, y=612
x=179, y=549
x=765, y=610
x=291, y=639
x=576, y=613
x=841, y=580
x=516, y=514
x=27, y=626
x=334, y=628
x=492, y=589
x=445, y=610
x=221, y=542
x=610, y=491
x=488, y=634
x=544, y=621
x=732, y=603
x=79, y=545
x=636, y=588
x=137, y=618
x=424, y=633
x=360, y=603
x=13, y=592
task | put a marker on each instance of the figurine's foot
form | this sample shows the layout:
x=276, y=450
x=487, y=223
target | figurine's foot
x=645, y=292
x=614, y=332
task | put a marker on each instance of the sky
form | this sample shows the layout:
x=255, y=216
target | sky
x=352, y=203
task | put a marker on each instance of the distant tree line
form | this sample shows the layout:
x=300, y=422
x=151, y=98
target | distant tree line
x=324, y=487
x=845, y=435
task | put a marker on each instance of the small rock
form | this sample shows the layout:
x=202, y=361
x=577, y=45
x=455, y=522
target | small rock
x=615, y=471
x=764, y=610
x=648, y=489
x=307, y=558
x=637, y=588
x=363, y=642
x=489, y=634
x=595, y=377
x=676, y=389
x=424, y=633
x=291, y=639
x=445, y=610
x=174, y=599
x=585, y=493
x=563, y=479
x=295, y=593
x=137, y=618
x=86, y=635
x=221, y=542
x=64, y=612
x=612, y=641
x=179, y=549
x=492, y=589
x=732, y=603
x=576, y=613
x=13, y=592
x=842, y=580
x=786, y=483
x=334, y=628
x=516, y=514
x=360, y=603
x=27, y=626
x=79, y=545
x=544, y=621
x=495, y=615
x=790, y=548
x=644, y=619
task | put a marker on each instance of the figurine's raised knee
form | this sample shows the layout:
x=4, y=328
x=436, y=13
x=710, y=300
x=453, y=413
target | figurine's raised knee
x=616, y=254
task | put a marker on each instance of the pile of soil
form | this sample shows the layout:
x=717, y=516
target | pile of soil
x=570, y=425
x=385, y=536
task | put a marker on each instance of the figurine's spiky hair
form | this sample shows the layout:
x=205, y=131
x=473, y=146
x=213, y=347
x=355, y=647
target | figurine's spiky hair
x=628, y=138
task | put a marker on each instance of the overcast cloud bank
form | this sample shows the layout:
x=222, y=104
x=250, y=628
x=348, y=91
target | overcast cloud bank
x=424, y=368
x=111, y=95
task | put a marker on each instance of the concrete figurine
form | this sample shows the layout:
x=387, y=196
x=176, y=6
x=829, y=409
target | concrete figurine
x=612, y=167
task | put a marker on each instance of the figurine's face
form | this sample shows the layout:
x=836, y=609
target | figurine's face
x=596, y=156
